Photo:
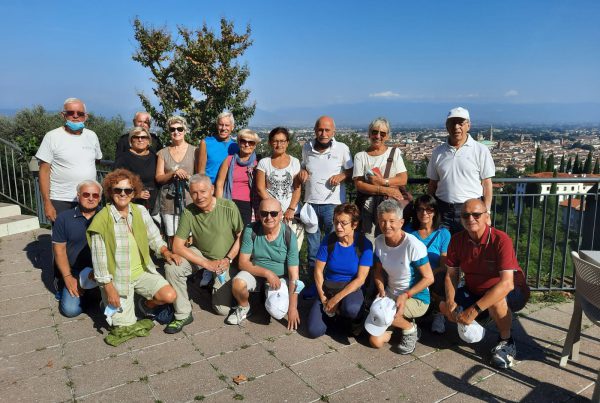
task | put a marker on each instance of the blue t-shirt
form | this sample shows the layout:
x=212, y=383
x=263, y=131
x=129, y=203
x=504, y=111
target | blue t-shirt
x=216, y=152
x=69, y=228
x=437, y=247
x=343, y=263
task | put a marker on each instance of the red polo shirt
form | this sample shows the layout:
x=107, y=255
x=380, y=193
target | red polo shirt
x=482, y=262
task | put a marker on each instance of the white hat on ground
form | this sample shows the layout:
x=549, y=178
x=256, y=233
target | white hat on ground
x=381, y=315
x=278, y=301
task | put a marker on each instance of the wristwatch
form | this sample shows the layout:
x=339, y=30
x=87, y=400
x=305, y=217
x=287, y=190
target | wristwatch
x=477, y=308
x=230, y=259
x=387, y=183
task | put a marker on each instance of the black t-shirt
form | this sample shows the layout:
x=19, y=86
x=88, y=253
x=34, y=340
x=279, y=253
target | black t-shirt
x=145, y=167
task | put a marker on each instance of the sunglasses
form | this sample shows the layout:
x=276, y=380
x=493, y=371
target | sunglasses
x=173, y=129
x=249, y=142
x=119, y=191
x=476, y=216
x=265, y=214
x=86, y=195
x=74, y=113
x=376, y=132
x=427, y=210
x=139, y=137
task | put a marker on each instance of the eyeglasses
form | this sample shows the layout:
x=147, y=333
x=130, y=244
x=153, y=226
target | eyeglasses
x=75, y=114
x=86, y=195
x=140, y=137
x=249, y=142
x=342, y=223
x=457, y=121
x=119, y=191
x=278, y=141
x=427, y=210
x=179, y=129
x=265, y=214
x=475, y=215
x=376, y=132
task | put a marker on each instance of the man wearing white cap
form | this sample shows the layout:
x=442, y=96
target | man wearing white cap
x=269, y=250
x=70, y=247
x=326, y=165
x=494, y=282
x=459, y=169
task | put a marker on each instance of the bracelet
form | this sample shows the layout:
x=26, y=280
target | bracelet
x=68, y=275
x=409, y=295
x=477, y=308
x=289, y=208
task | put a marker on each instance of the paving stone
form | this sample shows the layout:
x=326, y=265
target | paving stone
x=221, y=340
x=371, y=390
x=280, y=386
x=533, y=333
x=294, y=348
x=329, y=373
x=87, y=351
x=28, y=341
x=25, y=290
x=204, y=321
x=52, y=387
x=22, y=322
x=29, y=365
x=166, y=356
x=184, y=384
x=15, y=279
x=104, y=374
x=78, y=330
x=258, y=328
x=373, y=360
x=132, y=392
x=252, y=361
x=461, y=363
x=551, y=317
x=157, y=336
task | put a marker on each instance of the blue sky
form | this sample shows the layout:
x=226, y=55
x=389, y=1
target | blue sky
x=315, y=54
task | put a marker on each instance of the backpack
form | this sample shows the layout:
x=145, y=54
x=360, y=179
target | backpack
x=359, y=244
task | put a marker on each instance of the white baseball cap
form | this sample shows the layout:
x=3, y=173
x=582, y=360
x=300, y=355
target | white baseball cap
x=459, y=112
x=472, y=333
x=278, y=301
x=85, y=280
x=381, y=315
x=309, y=218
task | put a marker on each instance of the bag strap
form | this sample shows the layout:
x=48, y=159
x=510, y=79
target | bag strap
x=432, y=239
x=388, y=166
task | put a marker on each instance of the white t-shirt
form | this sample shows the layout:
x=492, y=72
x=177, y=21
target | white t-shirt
x=363, y=162
x=72, y=159
x=459, y=172
x=280, y=182
x=322, y=166
x=401, y=263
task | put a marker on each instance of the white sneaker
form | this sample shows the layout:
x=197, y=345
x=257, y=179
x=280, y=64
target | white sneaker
x=206, y=278
x=439, y=323
x=238, y=315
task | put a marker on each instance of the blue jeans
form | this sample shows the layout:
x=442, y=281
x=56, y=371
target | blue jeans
x=70, y=306
x=325, y=216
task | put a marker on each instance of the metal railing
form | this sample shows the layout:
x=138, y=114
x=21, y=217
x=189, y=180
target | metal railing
x=544, y=232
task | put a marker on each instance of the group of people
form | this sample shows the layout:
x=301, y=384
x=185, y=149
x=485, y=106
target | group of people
x=377, y=264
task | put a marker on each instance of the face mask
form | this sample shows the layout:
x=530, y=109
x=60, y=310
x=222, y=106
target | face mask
x=75, y=126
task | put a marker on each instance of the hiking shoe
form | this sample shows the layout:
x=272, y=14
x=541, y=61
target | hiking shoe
x=503, y=355
x=439, y=323
x=177, y=325
x=206, y=278
x=238, y=315
x=409, y=342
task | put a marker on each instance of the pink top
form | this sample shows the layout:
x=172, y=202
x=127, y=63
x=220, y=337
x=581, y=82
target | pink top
x=240, y=189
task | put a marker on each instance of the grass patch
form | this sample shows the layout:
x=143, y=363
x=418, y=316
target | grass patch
x=222, y=377
x=199, y=397
x=144, y=378
x=185, y=365
x=244, y=346
x=70, y=384
x=324, y=398
x=237, y=396
x=550, y=297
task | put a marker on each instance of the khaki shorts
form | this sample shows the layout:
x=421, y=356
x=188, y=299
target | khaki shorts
x=413, y=308
x=252, y=284
x=147, y=285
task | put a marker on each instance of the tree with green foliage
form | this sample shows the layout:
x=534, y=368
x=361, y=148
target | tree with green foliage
x=596, y=169
x=576, y=165
x=196, y=74
x=539, y=157
x=569, y=167
x=561, y=167
x=587, y=166
x=550, y=163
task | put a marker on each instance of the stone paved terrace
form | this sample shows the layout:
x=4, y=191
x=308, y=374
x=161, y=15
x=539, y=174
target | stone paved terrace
x=45, y=357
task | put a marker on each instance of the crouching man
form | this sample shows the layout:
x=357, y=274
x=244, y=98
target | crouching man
x=494, y=282
x=269, y=250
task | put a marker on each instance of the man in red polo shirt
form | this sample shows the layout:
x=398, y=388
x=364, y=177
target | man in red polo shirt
x=494, y=282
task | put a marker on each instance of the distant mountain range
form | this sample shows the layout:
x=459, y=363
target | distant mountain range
x=410, y=114
x=419, y=114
